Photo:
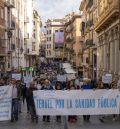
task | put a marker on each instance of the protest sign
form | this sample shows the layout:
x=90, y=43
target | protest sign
x=28, y=79
x=61, y=78
x=16, y=76
x=77, y=102
x=5, y=102
x=70, y=77
x=107, y=79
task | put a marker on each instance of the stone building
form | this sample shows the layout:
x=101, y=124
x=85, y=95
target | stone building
x=108, y=47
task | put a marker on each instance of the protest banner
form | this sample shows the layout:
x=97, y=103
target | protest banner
x=5, y=102
x=61, y=78
x=16, y=76
x=77, y=102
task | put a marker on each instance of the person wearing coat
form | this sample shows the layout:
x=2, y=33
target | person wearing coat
x=46, y=86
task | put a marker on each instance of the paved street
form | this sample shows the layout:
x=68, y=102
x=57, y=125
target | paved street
x=25, y=123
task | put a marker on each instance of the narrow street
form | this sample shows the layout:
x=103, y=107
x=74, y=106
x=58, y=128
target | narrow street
x=24, y=122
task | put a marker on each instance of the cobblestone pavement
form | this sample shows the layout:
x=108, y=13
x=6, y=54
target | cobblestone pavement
x=24, y=122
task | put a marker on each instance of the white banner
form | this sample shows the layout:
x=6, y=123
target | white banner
x=16, y=76
x=5, y=102
x=77, y=102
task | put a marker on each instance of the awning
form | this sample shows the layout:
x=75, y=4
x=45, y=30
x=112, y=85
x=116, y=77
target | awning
x=70, y=71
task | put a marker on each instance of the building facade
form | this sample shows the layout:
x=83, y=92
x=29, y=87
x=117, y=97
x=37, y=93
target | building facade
x=72, y=40
x=2, y=38
x=54, y=38
x=107, y=26
x=89, y=38
x=36, y=37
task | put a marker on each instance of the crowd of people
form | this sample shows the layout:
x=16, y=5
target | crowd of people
x=22, y=94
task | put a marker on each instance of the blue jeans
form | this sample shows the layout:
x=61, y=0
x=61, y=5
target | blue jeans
x=14, y=109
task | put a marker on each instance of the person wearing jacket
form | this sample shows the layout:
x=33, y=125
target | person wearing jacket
x=46, y=86
x=86, y=86
x=15, y=97
x=31, y=103
x=58, y=87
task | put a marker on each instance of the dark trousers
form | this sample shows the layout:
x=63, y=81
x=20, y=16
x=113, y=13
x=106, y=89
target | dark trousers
x=14, y=113
x=46, y=117
x=86, y=117
x=27, y=101
x=33, y=112
x=58, y=118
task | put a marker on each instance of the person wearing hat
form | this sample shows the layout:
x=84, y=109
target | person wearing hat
x=46, y=86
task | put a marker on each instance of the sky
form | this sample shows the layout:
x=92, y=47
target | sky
x=49, y=9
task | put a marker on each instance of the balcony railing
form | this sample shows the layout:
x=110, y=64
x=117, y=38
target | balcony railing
x=10, y=3
x=105, y=17
x=89, y=23
x=11, y=49
x=89, y=42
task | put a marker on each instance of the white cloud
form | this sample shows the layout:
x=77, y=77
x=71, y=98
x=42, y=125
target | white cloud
x=56, y=8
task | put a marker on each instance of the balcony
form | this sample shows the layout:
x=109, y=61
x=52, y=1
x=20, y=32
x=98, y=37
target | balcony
x=89, y=23
x=26, y=36
x=10, y=3
x=82, y=26
x=89, y=42
x=12, y=48
x=70, y=40
x=108, y=15
x=26, y=20
x=12, y=25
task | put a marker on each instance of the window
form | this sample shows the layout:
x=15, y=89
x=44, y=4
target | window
x=61, y=30
x=34, y=35
x=2, y=13
x=50, y=45
x=49, y=31
x=49, y=53
x=49, y=38
x=33, y=22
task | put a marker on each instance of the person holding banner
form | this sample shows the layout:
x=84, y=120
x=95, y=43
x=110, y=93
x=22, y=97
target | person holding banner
x=86, y=86
x=58, y=87
x=31, y=103
x=15, y=93
x=73, y=118
x=46, y=86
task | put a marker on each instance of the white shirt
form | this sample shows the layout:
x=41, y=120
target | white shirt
x=14, y=93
